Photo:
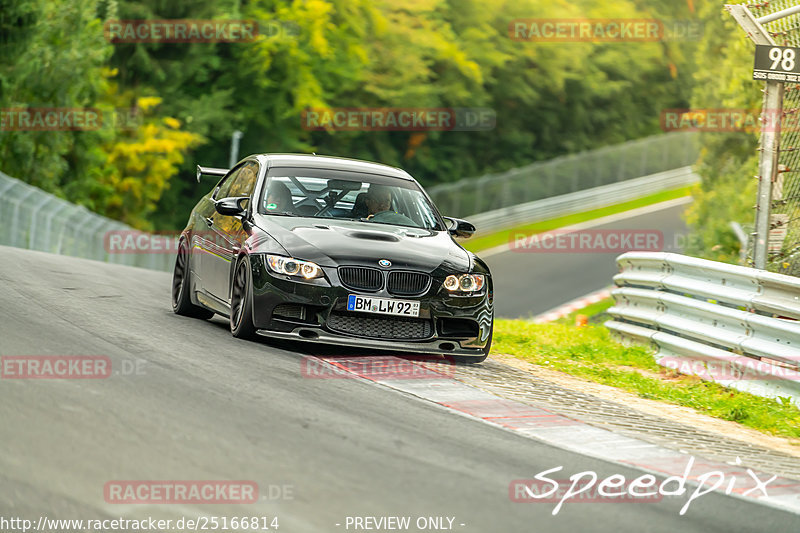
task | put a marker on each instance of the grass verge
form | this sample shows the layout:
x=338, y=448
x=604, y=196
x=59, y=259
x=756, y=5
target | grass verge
x=591, y=353
x=593, y=311
x=502, y=237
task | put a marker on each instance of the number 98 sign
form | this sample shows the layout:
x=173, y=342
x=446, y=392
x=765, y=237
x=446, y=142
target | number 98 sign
x=776, y=63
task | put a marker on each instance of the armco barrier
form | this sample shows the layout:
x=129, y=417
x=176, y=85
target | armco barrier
x=577, y=202
x=566, y=174
x=731, y=324
x=34, y=219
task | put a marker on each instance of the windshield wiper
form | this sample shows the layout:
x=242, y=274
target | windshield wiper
x=285, y=214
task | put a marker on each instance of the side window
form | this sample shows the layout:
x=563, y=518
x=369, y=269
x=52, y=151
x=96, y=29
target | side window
x=245, y=181
x=224, y=189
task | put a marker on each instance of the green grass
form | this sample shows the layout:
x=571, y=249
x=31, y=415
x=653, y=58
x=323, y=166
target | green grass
x=502, y=237
x=591, y=353
x=590, y=311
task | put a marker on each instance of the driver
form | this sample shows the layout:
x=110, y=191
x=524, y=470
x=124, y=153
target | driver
x=279, y=198
x=379, y=204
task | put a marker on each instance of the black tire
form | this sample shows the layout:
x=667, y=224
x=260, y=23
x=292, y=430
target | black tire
x=181, y=285
x=473, y=359
x=242, y=302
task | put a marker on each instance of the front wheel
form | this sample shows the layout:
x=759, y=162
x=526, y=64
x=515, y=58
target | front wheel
x=181, y=285
x=242, y=302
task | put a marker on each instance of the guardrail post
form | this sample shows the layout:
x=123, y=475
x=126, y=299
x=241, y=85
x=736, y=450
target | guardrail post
x=34, y=219
x=49, y=233
x=16, y=234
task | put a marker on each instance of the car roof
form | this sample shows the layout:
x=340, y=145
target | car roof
x=333, y=163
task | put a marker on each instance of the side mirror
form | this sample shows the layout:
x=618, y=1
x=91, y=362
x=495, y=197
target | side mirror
x=459, y=228
x=231, y=207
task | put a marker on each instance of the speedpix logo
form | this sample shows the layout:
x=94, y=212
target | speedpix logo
x=587, y=487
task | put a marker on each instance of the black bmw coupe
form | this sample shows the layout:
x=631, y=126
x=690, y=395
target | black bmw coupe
x=335, y=251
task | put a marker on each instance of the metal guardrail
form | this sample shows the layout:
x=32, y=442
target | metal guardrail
x=34, y=219
x=567, y=174
x=594, y=198
x=731, y=324
x=38, y=220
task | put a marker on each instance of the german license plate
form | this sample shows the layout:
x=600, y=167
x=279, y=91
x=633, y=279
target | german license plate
x=383, y=306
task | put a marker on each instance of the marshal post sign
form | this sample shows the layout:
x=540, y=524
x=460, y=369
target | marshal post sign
x=777, y=63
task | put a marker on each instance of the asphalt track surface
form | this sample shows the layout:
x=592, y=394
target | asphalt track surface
x=207, y=406
x=530, y=283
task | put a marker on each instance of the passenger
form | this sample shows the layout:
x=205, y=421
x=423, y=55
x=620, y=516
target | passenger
x=360, y=209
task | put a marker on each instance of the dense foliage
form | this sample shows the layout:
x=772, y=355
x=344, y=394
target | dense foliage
x=729, y=161
x=188, y=98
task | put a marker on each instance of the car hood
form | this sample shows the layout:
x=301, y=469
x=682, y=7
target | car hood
x=339, y=242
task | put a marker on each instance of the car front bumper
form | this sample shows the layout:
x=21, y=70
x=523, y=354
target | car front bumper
x=320, y=335
x=321, y=299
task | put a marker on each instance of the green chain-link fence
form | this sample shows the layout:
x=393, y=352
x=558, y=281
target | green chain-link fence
x=563, y=175
x=785, y=257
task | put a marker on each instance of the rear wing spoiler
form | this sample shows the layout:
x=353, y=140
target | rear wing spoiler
x=210, y=171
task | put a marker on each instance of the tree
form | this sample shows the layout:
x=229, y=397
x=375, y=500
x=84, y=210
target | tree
x=728, y=162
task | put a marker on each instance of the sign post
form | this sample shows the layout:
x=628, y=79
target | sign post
x=771, y=69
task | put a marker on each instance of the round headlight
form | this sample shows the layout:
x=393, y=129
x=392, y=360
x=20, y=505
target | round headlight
x=309, y=270
x=291, y=267
x=451, y=283
x=466, y=283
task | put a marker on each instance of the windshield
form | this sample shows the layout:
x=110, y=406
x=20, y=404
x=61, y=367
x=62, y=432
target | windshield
x=341, y=195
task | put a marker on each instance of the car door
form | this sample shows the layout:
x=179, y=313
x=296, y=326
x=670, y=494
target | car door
x=205, y=238
x=227, y=232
